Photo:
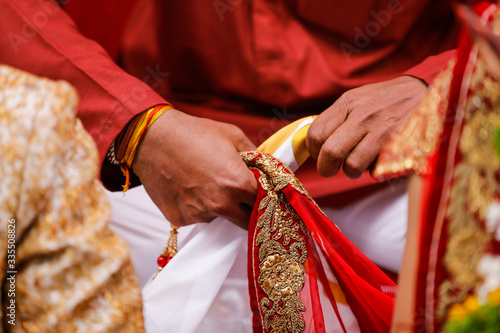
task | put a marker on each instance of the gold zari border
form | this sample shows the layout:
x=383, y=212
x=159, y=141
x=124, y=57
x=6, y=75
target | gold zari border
x=282, y=247
x=474, y=187
x=419, y=135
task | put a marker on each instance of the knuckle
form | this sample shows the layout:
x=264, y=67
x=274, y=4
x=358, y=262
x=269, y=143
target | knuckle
x=392, y=122
x=239, y=186
x=241, y=180
x=353, y=168
x=314, y=138
x=203, y=218
x=217, y=207
x=199, y=217
x=333, y=152
x=369, y=116
x=177, y=220
x=190, y=217
x=346, y=100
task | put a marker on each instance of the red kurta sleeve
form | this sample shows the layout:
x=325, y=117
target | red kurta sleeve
x=39, y=37
x=428, y=69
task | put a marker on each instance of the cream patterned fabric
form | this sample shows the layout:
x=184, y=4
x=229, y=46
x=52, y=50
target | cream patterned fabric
x=72, y=274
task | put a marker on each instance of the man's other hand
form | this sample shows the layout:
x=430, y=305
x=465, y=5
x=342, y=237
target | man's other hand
x=353, y=130
x=192, y=169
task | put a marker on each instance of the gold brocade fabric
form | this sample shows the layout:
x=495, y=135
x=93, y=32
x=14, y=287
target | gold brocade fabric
x=420, y=134
x=280, y=237
x=471, y=179
x=70, y=272
x=408, y=150
x=474, y=187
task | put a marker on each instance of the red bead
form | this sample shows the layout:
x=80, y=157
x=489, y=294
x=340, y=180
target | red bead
x=162, y=261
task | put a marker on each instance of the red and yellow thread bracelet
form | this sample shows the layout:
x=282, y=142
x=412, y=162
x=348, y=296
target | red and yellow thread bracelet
x=129, y=140
x=125, y=148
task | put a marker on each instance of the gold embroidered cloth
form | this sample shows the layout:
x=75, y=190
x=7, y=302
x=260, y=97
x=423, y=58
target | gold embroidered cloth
x=301, y=268
x=72, y=274
x=448, y=142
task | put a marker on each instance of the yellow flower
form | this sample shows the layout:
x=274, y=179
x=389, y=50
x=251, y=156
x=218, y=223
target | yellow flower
x=494, y=297
x=471, y=304
x=458, y=312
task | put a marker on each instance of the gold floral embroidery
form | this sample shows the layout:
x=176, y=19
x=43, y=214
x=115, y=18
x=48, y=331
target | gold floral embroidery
x=419, y=135
x=282, y=247
x=474, y=186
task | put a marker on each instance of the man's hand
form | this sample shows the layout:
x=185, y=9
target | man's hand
x=192, y=169
x=353, y=130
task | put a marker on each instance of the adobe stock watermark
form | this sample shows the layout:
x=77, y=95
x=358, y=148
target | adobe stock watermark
x=223, y=6
x=10, y=303
x=372, y=29
x=32, y=24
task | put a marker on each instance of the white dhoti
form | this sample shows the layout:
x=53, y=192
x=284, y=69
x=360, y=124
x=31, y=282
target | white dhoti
x=375, y=224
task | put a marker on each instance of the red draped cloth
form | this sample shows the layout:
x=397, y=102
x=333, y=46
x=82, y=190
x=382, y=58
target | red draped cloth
x=304, y=274
x=445, y=200
x=448, y=143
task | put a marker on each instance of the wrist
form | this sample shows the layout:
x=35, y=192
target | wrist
x=129, y=139
x=412, y=78
x=154, y=138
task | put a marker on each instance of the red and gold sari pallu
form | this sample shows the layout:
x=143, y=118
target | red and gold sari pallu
x=304, y=274
x=448, y=143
